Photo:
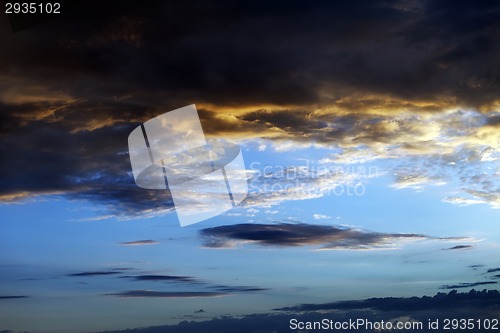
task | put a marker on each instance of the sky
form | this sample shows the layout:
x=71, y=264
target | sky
x=370, y=133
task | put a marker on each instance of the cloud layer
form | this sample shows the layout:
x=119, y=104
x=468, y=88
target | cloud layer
x=448, y=302
x=475, y=305
x=178, y=286
x=378, y=81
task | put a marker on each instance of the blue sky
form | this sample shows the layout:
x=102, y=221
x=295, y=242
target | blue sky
x=66, y=237
x=370, y=134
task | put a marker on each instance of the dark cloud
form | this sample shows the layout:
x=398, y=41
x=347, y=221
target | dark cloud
x=450, y=301
x=240, y=289
x=475, y=304
x=493, y=120
x=283, y=234
x=71, y=107
x=219, y=56
x=12, y=297
x=466, y=285
x=460, y=247
x=166, y=294
x=492, y=270
x=246, y=324
x=95, y=273
x=84, y=165
x=199, y=311
x=172, y=278
x=195, y=282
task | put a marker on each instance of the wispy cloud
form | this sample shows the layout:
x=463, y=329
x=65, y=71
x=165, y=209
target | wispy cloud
x=192, y=281
x=166, y=294
x=462, y=201
x=95, y=218
x=240, y=289
x=466, y=285
x=415, y=181
x=321, y=217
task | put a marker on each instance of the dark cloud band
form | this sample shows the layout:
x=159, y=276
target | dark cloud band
x=301, y=234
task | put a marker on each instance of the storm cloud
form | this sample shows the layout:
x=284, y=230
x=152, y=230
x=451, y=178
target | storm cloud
x=379, y=72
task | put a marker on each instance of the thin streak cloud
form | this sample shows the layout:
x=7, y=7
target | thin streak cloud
x=467, y=285
x=139, y=242
x=460, y=247
x=95, y=273
x=172, y=278
x=165, y=294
